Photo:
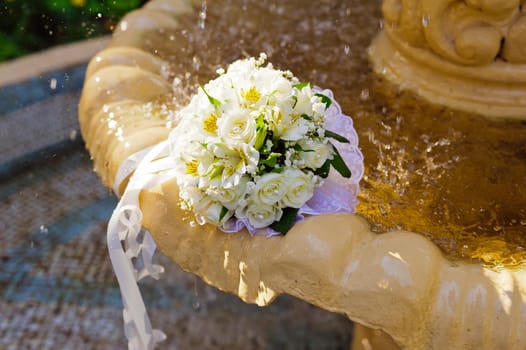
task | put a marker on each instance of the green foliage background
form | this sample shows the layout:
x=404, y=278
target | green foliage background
x=27, y=26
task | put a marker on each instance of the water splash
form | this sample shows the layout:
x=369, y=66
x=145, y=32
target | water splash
x=202, y=15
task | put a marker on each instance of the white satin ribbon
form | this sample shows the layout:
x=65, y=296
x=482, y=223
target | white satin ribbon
x=130, y=253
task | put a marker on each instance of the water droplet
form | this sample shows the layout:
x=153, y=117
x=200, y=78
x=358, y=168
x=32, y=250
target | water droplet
x=53, y=84
x=99, y=15
x=202, y=16
x=346, y=49
x=196, y=305
x=196, y=62
x=43, y=230
x=364, y=94
x=425, y=21
x=73, y=135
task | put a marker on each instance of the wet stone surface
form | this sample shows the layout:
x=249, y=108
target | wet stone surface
x=457, y=178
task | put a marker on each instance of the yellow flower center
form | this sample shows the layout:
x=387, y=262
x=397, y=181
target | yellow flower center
x=191, y=168
x=210, y=123
x=252, y=95
x=295, y=118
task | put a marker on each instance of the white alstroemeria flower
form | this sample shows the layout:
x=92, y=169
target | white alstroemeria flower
x=316, y=154
x=297, y=129
x=270, y=188
x=235, y=161
x=300, y=188
x=303, y=104
x=250, y=158
x=237, y=127
x=262, y=215
x=318, y=107
x=280, y=119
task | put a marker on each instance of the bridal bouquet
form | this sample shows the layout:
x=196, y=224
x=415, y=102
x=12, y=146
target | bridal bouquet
x=252, y=146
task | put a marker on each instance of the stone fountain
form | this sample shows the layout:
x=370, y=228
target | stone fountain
x=441, y=228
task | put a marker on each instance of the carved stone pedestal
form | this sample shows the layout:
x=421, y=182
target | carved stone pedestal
x=468, y=55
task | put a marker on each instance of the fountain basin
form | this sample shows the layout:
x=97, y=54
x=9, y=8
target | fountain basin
x=424, y=166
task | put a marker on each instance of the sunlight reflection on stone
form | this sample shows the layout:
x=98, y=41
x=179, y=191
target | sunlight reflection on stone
x=265, y=294
x=225, y=261
x=503, y=282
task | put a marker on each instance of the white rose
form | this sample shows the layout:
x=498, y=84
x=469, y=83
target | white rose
x=270, y=188
x=262, y=215
x=228, y=197
x=237, y=127
x=317, y=154
x=209, y=211
x=300, y=188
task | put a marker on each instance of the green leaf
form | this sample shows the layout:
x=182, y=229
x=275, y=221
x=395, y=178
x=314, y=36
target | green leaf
x=336, y=136
x=271, y=160
x=325, y=99
x=338, y=164
x=261, y=132
x=323, y=172
x=300, y=86
x=287, y=220
x=212, y=100
x=224, y=211
x=307, y=117
x=298, y=148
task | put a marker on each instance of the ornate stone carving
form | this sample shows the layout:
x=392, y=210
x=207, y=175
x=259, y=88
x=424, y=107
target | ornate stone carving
x=466, y=54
